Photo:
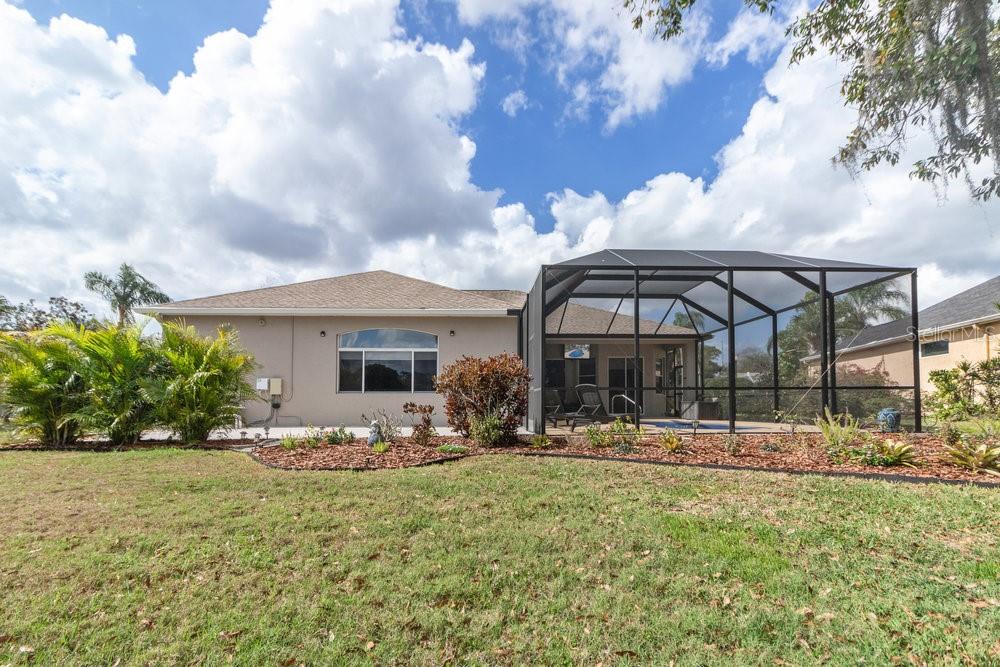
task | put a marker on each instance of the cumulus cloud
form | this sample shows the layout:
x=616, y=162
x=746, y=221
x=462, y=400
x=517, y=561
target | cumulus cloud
x=514, y=103
x=330, y=141
x=775, y=190
x=597, y=56
x=760, y=35
x=283, y=155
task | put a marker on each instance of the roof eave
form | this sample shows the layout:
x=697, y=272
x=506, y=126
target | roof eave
x=327, y=312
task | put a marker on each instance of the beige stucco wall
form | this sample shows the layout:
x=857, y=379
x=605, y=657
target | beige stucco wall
x=293, y=349
x=972, y=343
x=654, y=403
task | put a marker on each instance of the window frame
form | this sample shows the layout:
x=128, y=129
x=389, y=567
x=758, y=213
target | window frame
x=400, y=350
x=924, y=347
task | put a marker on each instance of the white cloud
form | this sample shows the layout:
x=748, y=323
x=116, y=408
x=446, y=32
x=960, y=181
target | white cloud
x=633, y=70
x=514, y=102
x=329, y=142
x=283, y=155
x=760, y=35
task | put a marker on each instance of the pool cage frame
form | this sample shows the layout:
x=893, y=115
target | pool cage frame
x=674, y=274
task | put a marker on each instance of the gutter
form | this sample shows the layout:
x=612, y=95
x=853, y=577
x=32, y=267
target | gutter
x=328, y=312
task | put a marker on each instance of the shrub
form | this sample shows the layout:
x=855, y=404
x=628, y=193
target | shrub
x=770, y=447
x=840, y=432
x=624, y=436
x=117, y=366
x=669, y=441
x=40, y=384
x=541, y=441
x=423, y=430
x=388, y=424
x=487, y=430
x=338, y=436
x=381, y=447
x=202, y=382
x=975, y=454
x=597, y=437
x=950, y=434
x=476, y=387
x=889, y=452
x=289, y=442
x=731, y=443
x=451, y=448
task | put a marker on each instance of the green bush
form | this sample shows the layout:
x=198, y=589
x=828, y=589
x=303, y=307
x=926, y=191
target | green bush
x=202, y=382
x=487, y=430
x=669, y=441
x=40, y=383
x=116, y=365
x=541, y=441
x=338, y=436
x=975, y=454
x=889, y=452
x=289, y=442
x=597, y=437
x=840, y=432
x=381, y=447
x=624, y=436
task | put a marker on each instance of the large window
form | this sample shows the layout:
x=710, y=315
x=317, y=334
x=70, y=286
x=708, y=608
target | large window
x=387, y=360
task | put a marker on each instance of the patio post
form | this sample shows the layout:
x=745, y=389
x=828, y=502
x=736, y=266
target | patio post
x=915, y=327
x=774, y=362
x=832, y=326
x=541, y=348
x=635, y=359
x=731, y=331
x=824, y=360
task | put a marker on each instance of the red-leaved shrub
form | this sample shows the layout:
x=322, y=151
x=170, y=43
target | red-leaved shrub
x=476, y=387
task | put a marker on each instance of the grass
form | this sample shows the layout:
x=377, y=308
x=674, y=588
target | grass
x=178, y=556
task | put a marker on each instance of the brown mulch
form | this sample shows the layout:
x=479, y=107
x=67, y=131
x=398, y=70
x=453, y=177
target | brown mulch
x=803, y=452
x=105, y=446
x=357, y=455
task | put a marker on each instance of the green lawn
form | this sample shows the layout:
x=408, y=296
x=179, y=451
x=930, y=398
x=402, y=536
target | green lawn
x=178, y=557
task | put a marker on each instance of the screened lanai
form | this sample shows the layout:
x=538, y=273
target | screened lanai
x=732, y=337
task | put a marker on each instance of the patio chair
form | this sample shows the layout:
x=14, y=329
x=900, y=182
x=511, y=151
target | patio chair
x=591, y=407
x=554, y=408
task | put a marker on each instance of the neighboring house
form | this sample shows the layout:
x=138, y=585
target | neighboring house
x=963, y=327
x=352, y=344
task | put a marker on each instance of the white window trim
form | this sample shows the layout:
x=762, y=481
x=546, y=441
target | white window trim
x=413, y=375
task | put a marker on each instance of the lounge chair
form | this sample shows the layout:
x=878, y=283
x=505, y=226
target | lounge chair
x=591, y=407
x=554, y=408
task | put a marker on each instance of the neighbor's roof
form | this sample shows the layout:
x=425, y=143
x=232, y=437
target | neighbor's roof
x=369, y=293
x=965, y=308
x=575, y=318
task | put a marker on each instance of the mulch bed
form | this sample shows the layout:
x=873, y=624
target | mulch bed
x=803, y=452
x=357, y=455
x=105, y=446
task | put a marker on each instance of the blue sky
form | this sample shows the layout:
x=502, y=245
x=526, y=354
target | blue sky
x=352, y=135
x=538, y=152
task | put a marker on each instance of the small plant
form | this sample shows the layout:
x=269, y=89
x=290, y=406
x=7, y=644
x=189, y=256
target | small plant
x=388, y=424
x=541, y=441
x=669, y=441
x=731, y=443
x=889, y=452
x=289, y=442
x=597, y=437
x=338, y=436
x=950, y=434
x=624, y=436
x=451, y=448
x=487, y=431
x=840, y=433
x=770, y=447
x=423, y=430
x=785, y=417
x=381, y=447
x=975, y=455
x=313, y=437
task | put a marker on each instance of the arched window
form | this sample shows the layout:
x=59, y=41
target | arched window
x=387, y=360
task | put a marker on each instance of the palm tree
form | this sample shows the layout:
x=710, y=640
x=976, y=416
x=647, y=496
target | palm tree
x=125, y=291
x=865, y=306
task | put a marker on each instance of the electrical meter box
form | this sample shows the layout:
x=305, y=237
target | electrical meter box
x=271, y=386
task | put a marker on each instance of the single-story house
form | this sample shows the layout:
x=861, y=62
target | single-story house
x=333, y=349
x=964, y=327
x=352, y=344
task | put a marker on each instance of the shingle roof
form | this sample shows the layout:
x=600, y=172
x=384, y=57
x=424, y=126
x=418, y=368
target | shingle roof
x=581, y=319
x=371, y=290
x=972, y=304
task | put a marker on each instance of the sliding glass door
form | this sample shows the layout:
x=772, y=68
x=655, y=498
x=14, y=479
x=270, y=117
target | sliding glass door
x=623, y=380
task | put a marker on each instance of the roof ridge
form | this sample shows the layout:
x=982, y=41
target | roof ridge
x=270, y=287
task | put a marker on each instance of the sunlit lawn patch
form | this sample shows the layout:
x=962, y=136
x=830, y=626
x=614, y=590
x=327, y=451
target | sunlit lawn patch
x=171, y=556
